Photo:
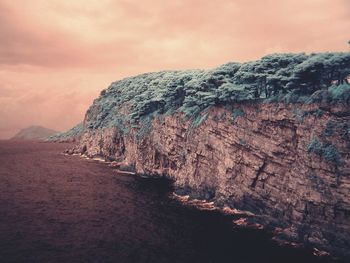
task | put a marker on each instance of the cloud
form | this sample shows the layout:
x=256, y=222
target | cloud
x=29, y=42
x=197, y=32
x=55, y=56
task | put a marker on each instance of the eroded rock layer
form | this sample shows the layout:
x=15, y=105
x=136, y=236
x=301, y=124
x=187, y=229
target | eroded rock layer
x=288, y=164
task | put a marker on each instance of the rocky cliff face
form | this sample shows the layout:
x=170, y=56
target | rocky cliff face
x=287, y=164
x=269, y=136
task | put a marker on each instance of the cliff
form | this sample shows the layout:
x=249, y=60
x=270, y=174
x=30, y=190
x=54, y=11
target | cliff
x=258, y=162
x=34, y=133
x=281, y=155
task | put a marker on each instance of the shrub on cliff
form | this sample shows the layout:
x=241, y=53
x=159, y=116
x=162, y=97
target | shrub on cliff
x=315, y=146
x=328, y=151
x=340, y=92
x=237, y=113
x=331, y=154
x=333, y=94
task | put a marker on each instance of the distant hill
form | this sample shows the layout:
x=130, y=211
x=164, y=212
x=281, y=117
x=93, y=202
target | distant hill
x=34, y=133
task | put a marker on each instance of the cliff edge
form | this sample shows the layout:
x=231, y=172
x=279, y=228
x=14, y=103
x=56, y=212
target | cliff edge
x=269, y=136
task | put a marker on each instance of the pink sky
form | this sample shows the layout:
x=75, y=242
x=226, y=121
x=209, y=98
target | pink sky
x=56, y=56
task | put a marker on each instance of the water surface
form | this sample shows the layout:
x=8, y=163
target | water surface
x=58, y=208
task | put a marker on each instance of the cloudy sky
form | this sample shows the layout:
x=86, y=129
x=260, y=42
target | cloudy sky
x=56, y=55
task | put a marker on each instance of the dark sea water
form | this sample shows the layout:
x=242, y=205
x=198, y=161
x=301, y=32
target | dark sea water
x=58, y=208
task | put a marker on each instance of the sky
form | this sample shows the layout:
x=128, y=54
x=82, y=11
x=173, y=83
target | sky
x=56, y=56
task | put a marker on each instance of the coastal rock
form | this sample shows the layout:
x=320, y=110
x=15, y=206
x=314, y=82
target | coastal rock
x=269, y=137
x=264, y=161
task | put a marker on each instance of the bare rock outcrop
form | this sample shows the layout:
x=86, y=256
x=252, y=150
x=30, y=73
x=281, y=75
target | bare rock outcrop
x=286, y=163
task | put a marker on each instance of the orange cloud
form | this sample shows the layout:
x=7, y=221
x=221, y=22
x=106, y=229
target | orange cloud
x=55, y=56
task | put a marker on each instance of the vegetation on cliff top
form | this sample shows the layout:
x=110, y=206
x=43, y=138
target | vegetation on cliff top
x=319, y=77
x=72, y=133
